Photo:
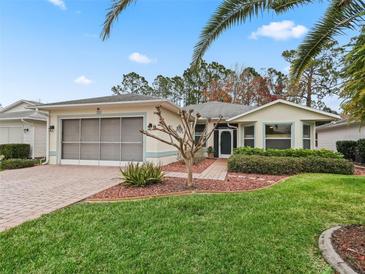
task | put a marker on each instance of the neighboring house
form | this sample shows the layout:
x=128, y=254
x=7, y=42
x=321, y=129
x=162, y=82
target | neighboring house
x=329, y=134
x=19, y=124
x=105, y=130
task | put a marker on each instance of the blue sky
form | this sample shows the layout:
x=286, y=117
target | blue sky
x=50, y=50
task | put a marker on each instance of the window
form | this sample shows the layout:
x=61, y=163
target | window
x=198, y=132
x=278, y=136
x=306, y=136
x=249, y=136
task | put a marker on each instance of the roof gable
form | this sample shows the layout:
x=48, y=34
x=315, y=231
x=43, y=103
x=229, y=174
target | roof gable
x=17, y=106
x=319, y=113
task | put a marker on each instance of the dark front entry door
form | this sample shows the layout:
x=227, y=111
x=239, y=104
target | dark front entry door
x=226, y=143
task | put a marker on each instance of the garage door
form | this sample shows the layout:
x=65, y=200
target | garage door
x=102, y=140
x=11, y=135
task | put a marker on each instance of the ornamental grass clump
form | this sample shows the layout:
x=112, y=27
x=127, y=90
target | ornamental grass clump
x=142, y=174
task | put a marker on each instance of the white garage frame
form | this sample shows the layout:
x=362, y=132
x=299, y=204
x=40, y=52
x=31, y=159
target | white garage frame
x=99, y=117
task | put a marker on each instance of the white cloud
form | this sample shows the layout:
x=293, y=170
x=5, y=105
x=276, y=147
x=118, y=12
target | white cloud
x=280, y=30
x=83, y=80
x=140, y=58
x=59, y=3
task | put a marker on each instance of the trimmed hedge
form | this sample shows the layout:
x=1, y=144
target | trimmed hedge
x=347, y=148
x=18, y=163
x=291, y=152
x=15, y=151
x=361, y=149
x=288, y=165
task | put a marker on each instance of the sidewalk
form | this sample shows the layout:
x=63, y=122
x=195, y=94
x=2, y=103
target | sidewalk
x=216, y=171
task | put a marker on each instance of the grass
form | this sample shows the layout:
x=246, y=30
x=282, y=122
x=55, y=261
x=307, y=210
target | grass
x=267, y=231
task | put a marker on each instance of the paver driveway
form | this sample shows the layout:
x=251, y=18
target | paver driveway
x=28, y=193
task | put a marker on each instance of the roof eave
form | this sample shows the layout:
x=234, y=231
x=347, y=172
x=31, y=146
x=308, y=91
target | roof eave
x=334, y=116
x=50, y=107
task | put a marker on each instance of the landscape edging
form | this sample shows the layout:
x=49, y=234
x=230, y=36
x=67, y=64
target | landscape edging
x=330, y=254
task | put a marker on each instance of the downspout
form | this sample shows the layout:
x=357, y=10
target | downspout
x=47, y=141
x=30, y=124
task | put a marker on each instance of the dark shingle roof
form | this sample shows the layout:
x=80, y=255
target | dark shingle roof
x=106, y=99
x=28, y=114
x=216, y=109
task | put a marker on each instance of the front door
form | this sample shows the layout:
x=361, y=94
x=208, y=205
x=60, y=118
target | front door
x=225, y=143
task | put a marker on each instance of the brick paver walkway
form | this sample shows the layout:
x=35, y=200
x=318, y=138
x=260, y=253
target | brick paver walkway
x=216, y=171
x=28, y=193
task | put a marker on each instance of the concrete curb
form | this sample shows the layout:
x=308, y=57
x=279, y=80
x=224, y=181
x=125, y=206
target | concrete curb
x=330, y=255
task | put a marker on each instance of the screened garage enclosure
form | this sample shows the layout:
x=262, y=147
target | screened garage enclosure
x=102, y=140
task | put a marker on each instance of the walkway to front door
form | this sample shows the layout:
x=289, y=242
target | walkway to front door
x=216, y=171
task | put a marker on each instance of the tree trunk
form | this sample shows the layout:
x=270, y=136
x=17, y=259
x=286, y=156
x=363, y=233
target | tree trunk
x=189, y=170
x=309, y=91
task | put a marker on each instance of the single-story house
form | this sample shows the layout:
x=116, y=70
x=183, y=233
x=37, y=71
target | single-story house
x=279, y=124
x=21, y=125
x=105, y=130
x=329, y=134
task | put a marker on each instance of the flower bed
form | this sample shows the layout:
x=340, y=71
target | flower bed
x=234, y=182
x=349, y=243
x=180, y=166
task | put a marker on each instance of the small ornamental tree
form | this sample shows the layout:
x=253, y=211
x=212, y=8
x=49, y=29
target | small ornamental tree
x=182, y=137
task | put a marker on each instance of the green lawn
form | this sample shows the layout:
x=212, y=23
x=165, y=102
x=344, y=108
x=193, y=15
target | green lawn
x=268, y=231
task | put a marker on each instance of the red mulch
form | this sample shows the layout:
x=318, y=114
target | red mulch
x=359, y=171
x=234, y=182
x=180, y=166
x=349, y=242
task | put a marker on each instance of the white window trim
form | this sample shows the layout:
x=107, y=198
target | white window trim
x=310, y=135
x=254, y=134
x=292, y=133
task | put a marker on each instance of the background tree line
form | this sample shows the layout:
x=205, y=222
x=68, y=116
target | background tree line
x=245, y=85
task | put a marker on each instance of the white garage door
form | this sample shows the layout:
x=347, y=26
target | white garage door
x=11, y=135
x=102, y=140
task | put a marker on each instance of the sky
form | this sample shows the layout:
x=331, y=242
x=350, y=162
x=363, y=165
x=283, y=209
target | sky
x=50, y=50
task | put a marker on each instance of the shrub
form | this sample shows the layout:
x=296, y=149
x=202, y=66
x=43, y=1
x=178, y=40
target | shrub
x=347, y=148
x=288, y=165
x=15, y=151
x=361, y=150
x=291, y=152
x=142, y=174
x=18, y=163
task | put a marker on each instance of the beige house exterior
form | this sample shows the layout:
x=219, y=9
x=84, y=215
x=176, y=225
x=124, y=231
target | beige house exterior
x=121, y=118
x=329, y=134
x=21, y=125
x=106, y=130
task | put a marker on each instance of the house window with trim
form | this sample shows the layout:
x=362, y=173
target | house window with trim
x=198, y=132
x=249, y=136
x=306, y=136
x=278, y=136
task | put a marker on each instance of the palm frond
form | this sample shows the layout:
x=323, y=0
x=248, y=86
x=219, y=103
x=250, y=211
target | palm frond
x=233, y=12
x=339, y=16
x=112, y=15
x=282, y=6
x=229, y=13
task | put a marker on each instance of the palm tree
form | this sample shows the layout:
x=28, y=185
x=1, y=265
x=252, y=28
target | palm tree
x=340, y=15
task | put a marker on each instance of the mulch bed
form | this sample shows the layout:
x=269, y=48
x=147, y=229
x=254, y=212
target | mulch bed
x=180, y=166
x=349, y=243
x=234, y=182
